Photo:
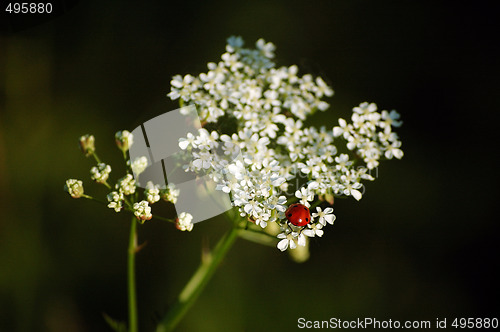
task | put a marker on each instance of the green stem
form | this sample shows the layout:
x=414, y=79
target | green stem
x=258, y=237
x=163, y=218
x=94, y=199
x=132, y=302
x=96, y=158
x=198, y=281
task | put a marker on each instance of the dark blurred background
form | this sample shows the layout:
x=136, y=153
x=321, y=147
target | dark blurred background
x=421, y=244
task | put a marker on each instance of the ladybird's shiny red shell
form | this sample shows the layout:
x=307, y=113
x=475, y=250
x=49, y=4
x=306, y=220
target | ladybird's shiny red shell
x=298, y=214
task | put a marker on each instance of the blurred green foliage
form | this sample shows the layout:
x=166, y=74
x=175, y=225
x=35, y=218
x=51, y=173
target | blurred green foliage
x=422, y=243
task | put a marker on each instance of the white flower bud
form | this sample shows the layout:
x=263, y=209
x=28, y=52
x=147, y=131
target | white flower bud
x=124, y=140
x=87, y=144
x=74, y=188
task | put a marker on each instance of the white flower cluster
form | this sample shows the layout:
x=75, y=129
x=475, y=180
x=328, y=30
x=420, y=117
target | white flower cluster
x=100, y=173
x=184, y=222
x=370, y=134
x=139, y=165
x=254, y=178
x=152, y=192
x=126, y=184
x=245, y=84
x=256, y=159
x=142, y=211
x=115, y=200
x=170, y=194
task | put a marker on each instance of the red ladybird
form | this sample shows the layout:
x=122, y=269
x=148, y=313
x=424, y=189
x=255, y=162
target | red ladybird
x=298, y=214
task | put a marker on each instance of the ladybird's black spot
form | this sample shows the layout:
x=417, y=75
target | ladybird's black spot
x=305, y=208
x=289, y=214
x=307, y=219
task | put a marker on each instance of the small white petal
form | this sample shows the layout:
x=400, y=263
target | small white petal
x=313, y=185
x=183, y=144
x=398, y=153
x=308, y=232
x=356, y=194
x=278, y=182
x=302, y=240
x=197, y=163
x=330, y=218
x=283, y=244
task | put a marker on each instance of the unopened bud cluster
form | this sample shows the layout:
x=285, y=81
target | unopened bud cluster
x=124, y=192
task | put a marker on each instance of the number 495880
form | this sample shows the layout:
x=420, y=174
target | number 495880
x=475, y=323
x=29, y=8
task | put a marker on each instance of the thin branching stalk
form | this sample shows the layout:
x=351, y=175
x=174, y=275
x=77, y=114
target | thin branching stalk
x=132, y=300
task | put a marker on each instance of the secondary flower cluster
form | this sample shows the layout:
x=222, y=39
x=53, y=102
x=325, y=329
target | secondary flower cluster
x=370, y=134
x=268, y=158
x=124, y=195
x=246, y=84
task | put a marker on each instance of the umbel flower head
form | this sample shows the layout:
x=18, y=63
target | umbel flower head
x=170, y=194
x=115, y=199
x=279, y=160
x=282, y=175
x=125, y=195
x=142, y=211
x=183, y=222
x=139, y=165
x=152, y=192
x=100, y=173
